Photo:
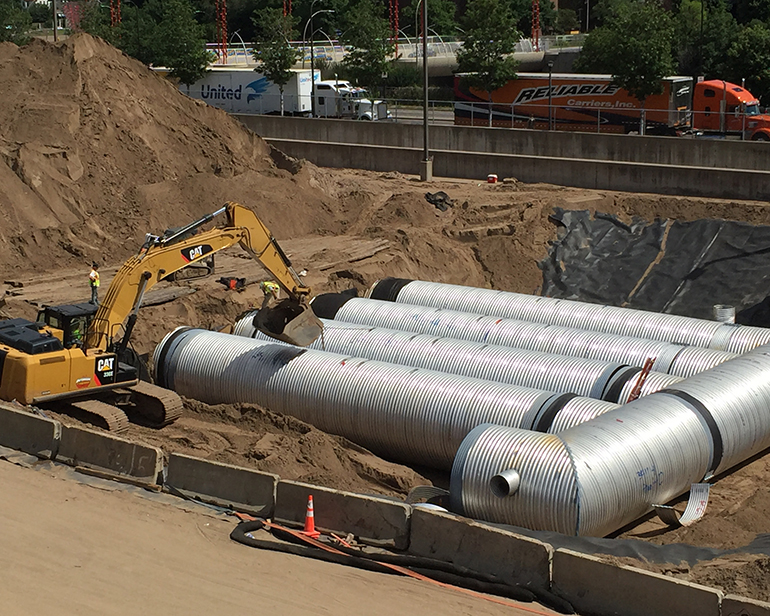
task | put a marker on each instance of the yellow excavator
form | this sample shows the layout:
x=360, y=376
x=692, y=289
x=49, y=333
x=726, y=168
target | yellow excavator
x=76, y=358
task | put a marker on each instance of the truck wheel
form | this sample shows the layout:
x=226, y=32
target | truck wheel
x=761, y=137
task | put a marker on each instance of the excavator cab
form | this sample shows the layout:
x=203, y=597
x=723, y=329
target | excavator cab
x=72, y=319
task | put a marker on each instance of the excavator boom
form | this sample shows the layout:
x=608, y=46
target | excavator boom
x=290, y=320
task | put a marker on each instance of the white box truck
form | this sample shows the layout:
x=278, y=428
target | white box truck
x=243, y=90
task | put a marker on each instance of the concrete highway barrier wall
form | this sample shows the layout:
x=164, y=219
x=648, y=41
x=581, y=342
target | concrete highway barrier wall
x=29, y=433
x=373, y=519
x=239, y=488
x=513, y=558
x=705, y=168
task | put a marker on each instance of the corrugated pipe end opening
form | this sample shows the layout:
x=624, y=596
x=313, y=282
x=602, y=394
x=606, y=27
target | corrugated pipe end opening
x=388, y=289
x=505, y=484
x=326, y=305
x=159, y=356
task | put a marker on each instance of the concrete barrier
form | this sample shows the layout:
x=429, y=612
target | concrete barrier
x=239, y=488
x=603, y=589
x=578, y=172
x=710, y=153
x=102, y=452
x=29, y=433
x=733, y=605
x=513, y=558
x=371, y=519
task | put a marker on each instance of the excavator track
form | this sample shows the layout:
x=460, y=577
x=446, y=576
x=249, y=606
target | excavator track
x=100, y=413
x=157, y=406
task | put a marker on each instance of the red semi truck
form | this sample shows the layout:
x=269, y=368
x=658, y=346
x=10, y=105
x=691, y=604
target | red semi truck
x=576, y=102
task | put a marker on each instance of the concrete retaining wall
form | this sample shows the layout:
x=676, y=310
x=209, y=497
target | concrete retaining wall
x=712, y=153
x=580, y=173
x=513, y=558
x=714, y=169
x=602, y=589
x=370, y=518
x=29, y=433
x=222, y=484
x=109, y=454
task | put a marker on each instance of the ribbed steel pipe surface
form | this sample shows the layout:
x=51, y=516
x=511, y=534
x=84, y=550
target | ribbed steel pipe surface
x=589, y=480
x=594, y=317
x=602, y=474
x=584, y=377
x=542, y=337
x=409, y=414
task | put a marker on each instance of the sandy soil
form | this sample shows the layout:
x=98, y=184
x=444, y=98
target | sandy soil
x=96, y=151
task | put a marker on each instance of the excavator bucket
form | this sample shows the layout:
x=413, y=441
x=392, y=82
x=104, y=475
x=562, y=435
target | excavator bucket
x=289, y=321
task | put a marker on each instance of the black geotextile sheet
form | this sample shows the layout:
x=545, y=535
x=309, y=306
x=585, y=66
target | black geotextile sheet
x=663, y=266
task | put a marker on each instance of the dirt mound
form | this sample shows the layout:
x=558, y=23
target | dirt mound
x=250, y=436
x=97, y=150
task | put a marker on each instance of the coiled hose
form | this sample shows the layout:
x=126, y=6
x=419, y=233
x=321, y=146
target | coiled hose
x=436, y=570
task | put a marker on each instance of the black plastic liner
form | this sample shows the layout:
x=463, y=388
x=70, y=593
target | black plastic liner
x=663, y=266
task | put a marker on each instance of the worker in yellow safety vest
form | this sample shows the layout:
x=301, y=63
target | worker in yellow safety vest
x=270, y=289
x=93, y=279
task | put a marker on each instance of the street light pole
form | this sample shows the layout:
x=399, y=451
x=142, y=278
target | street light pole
x=312, y=53
x=426, y=168
x=550, y=95
x=55, y=19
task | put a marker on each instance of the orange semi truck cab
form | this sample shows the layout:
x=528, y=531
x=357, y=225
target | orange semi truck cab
x=721, y=107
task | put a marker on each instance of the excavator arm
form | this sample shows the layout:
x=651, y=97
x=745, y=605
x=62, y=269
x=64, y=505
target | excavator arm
x=290, y=320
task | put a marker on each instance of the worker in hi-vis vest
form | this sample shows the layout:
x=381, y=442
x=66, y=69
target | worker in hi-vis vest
x=93, y=278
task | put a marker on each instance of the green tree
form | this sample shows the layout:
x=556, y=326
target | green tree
x=441, y=17
x=701, y=49
x=159, y=32
x=180, y=43
x=635, y=46
x=522, y=14
x=486, y=56
x=720, y=31
x=39, y=13
x=749, y=58
x=274, y=55
x=14, y=23
x=96, y=21
x=367, y=33
x=566, y=21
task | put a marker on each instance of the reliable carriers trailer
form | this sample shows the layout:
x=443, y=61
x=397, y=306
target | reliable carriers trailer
x=576, y=102
x=572, y=102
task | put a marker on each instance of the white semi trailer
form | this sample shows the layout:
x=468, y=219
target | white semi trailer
x=245, y=91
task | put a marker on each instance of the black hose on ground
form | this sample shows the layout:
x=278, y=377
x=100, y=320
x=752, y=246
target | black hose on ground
x=437, y=570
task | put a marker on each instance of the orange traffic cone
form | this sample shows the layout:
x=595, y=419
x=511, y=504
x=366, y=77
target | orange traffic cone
x=310, y=530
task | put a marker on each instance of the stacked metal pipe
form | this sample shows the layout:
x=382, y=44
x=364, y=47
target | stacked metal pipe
x=583, y=377
x=568, y=313
x=670, y=358
x=409, y=414
x=600, y=475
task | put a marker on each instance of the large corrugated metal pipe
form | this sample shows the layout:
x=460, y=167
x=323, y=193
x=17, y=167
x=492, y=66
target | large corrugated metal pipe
x=670, y=358
x=595, y=317
x=404, y=413
x=601, y=475
x=592, y=378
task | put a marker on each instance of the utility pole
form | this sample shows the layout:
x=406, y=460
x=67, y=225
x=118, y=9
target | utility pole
x=426, y=165
x=55, y=29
